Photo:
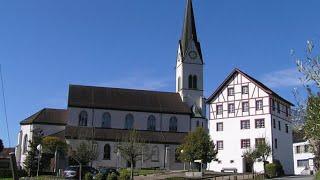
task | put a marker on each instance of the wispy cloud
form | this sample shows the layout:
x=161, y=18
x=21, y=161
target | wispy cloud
x=283, y=78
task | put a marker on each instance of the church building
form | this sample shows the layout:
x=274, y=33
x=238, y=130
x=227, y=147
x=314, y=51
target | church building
x=163, y=119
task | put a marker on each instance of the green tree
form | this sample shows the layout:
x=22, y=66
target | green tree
x=85, y=153
x=131, y=147
x=312, y=127
x=309, y=67
x=52, y=144
x=263, y=151
x=1, y=145
x=250, y=155
x=31, y=162
x=197, y=146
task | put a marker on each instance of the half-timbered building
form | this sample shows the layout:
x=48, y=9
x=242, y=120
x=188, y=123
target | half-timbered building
x=243, y=113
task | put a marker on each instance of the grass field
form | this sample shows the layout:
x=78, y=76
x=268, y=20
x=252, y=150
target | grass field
x=38, y=178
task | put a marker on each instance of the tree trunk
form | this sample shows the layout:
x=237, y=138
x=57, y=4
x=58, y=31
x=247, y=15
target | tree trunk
x=131, y=169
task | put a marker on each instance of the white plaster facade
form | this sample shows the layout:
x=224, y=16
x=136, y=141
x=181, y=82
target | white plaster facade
x=303, y=158
x=166, y=151
x=26, y=134
x=232, y=134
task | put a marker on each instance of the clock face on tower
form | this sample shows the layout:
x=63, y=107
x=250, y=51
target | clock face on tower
x=193, y=54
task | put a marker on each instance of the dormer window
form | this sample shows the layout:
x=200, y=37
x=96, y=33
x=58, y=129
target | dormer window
x=231, y=91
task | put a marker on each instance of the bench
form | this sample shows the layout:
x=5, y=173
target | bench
x=233, y=170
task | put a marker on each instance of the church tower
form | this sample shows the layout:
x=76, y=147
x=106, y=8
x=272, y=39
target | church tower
x=189, y=68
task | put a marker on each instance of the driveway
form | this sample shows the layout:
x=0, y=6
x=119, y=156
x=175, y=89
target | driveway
x=296, y=178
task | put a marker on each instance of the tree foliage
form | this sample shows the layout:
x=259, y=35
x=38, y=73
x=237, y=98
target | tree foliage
x=197, y=146
x=1, y=145
x=31, y=162
x=312, y=127
x=250, y=155
x=132, y=148
x=309, y=67
x=85, y=153
x=52, y=144
x=262, y=151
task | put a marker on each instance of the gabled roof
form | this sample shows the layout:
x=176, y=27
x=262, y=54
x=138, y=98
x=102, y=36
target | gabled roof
x=47, y=116
x=126, y=100
x=258, y=83
x=189, y=31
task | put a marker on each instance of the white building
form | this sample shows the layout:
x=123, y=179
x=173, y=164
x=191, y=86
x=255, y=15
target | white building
x=51, y=122
x=243, y=113
x=303, y=158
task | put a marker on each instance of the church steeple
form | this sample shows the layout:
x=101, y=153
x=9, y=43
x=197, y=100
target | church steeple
x=189, y=31
x=189, y=68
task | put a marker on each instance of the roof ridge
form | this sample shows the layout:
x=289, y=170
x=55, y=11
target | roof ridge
x=118, y=88
x=257, y=82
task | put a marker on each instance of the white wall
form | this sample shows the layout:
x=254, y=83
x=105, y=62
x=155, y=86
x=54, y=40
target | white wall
x=298, y=170
x=232, y=133
x=118, y=119
x=119, y=161
x=27, y=130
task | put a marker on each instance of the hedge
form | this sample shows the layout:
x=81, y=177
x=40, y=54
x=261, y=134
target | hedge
x=271, y=170
x=6, y=173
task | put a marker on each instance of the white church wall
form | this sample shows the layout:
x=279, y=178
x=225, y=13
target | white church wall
x=27, y=130
x=140, y=119
x=116, y=160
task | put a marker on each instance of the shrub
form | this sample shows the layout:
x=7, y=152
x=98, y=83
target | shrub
x=100, y=176
x=6, y=173
x=317, y=177
x=271, y=170
x=88, y=176
x=124, y=174
x=112, y=176
x=279, y=168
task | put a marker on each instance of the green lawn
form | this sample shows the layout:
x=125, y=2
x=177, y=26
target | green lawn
x=144, y=172
x=38, y=178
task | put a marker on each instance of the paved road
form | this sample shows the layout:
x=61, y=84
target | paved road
x=296, y=178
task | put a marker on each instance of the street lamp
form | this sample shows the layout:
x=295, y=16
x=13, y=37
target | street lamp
x=39, y=148
x=184, y=163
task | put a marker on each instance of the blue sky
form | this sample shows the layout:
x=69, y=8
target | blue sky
x=46, y=45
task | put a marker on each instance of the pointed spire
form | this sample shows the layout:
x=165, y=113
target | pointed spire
x=189, y=31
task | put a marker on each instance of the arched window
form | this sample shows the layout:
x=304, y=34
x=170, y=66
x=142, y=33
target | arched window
x=190, y=81
x=83, y=118
x=179, y=83
x=25, y=144
x=129, y=122
x=173, y=124
x=106, y=120
x=151, y=123
x=155, y=154
x=195, y=82
x=106, y=152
